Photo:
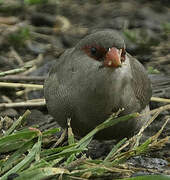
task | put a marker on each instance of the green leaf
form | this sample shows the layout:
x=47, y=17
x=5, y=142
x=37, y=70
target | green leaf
x=115, y=148
x=44, y=164
x=27, y=160
x=65, y=153
x=16, y=140
x=151, y=70
x=13, y=159
x=51, y=131
x=17, y=123
x=41, y=173
x=51, y=151
x=143, y=147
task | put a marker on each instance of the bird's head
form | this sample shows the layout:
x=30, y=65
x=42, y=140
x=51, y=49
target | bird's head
x=107, y=47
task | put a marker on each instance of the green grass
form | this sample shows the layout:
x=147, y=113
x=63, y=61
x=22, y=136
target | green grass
x=23, y=154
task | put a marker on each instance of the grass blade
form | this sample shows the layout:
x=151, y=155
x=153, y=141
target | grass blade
x=12, y=160
x=109, y=122
x=27, y=160
x=41, y=173
x=17, y=123
x=16, y=140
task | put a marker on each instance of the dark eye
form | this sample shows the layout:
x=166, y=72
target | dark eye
x=93, y=51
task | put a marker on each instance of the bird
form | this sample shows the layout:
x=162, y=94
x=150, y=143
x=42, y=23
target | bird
x=94, y=79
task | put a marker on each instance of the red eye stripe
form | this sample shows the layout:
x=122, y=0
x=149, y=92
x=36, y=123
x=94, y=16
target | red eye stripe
x=100, y=51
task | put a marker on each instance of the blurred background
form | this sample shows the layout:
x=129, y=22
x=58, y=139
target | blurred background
x=35, y=32
x=34, y=27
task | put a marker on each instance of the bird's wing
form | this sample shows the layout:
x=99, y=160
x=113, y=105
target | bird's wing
x=53, y=80
x=140, y=83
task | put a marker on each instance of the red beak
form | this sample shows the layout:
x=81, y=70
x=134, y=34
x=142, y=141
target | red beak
x=113, y=58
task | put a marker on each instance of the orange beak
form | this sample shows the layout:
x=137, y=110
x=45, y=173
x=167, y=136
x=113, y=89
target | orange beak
x=113, y=58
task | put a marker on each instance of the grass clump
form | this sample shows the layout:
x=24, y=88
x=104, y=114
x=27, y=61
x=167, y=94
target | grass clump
x=24, y=155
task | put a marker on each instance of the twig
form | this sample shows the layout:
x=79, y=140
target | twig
x=158, y=99
x=155, y=137
x=15, y=71
x=19, y=78
x=34, y=63
x=6, y=99
x=37, y=100
x=162, y=108
x=20, y=85
x=23, y=104
x=150, y=121
x=17, y=57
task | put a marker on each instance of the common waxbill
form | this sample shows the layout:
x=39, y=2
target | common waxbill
x=94, y=79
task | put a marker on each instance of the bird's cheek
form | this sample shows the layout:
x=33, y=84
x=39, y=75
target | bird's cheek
x=113, y=58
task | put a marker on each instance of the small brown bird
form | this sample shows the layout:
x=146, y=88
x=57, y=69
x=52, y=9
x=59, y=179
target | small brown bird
x=94, y=79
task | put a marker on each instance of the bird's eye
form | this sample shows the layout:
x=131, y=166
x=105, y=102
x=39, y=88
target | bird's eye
x=93, y=51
